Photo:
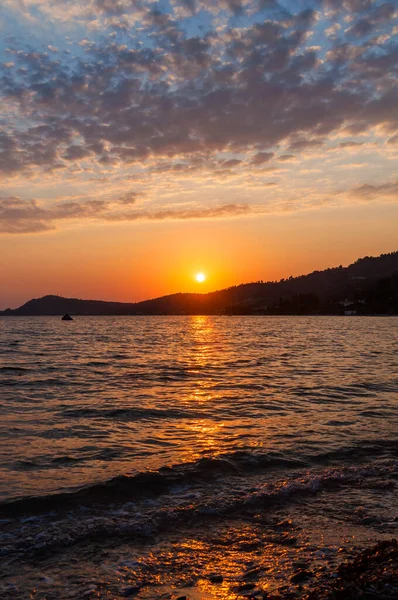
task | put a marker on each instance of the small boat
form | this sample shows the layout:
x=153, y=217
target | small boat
x=66, y=318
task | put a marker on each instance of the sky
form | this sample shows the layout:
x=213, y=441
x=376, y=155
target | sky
x=143, y=142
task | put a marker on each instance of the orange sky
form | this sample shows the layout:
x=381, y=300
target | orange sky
x=142, y=142
x=132, y=262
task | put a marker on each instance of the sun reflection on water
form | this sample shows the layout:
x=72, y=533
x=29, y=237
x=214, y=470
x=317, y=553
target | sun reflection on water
x=202, y=331
x=205, y=432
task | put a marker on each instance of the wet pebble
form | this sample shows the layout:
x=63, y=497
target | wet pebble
x=287, y=541
x=286, y=524
x=246, y=587
x=216, y=578
x=300, y=576
x=189, y=583
x=252, y=573
x=131, y=591
x=248, y=546
x=300, y=564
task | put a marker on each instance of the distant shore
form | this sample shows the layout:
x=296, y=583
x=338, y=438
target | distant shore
x=199, y=314
x=367, y=287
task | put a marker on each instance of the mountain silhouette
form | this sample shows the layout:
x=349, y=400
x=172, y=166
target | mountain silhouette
x=368, y=286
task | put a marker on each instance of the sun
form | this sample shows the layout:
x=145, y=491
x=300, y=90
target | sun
x=200, y=277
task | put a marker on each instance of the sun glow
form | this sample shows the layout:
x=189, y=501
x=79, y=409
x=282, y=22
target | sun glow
x=200, y=277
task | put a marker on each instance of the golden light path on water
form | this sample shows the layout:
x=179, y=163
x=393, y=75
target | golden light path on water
x=207, y=435
x=213, y=455
x=112, y=395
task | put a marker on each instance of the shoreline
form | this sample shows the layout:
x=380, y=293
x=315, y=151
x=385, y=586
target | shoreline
x=371, y=574
x=368, y=573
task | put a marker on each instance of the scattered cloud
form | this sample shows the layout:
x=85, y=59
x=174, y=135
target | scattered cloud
x=207, y=90
x=30, y=216
x=262, y=157
x=287, y=157
x=372, y=192
x=19, y=216
x=129, y=198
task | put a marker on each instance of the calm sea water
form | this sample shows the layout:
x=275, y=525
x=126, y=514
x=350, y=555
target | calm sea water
x=148, y=422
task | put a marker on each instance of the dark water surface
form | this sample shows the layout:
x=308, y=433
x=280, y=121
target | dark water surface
x=140, y=427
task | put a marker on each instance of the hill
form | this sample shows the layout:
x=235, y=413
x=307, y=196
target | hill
x=368, y=286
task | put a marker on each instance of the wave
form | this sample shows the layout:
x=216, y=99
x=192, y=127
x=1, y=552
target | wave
x=61, y=461
x=361, y=451
x=125, y=488
x=41, y=534
x=15, y=369
x=151, y=484
x=133, y=414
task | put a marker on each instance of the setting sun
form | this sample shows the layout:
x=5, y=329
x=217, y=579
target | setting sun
x=200, y=277
x=197, y=204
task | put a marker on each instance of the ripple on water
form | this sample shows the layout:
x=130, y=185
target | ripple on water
x=168, y=390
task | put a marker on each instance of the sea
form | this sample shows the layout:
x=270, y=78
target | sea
x=196, y=457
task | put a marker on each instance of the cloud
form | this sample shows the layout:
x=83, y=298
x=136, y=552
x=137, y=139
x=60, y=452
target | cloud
x=28, y=216
x=287, y=157
x=19, y=216
x=257, y=85
x=304, y=144
x=76, y=153
x=211, y=87
x=219, y=211
x=350, y=144
x=377, y=16
x=233, y=162
x=262, y=157
x=129, y=198
x=371, y=192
